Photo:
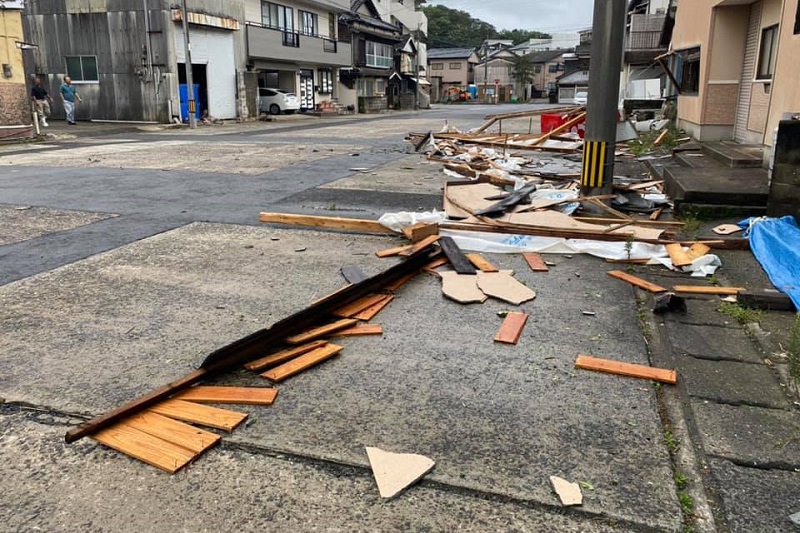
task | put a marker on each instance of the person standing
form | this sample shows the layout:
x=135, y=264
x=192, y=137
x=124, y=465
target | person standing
x=69, y=97
x=41, y=100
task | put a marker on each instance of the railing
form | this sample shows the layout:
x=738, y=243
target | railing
x=644, y=40
x=291, y=38
x=288, y=45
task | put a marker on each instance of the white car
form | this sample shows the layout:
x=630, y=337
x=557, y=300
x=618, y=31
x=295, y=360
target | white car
x=277, y=101
x=581, y=98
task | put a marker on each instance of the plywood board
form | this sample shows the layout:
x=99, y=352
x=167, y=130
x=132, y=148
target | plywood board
x=395, y=471
x=322, y=331
x=511, y=329
x=283, y=356
x=360, y=330
x=352, y=309
x=460, y=199
x=569, y=493
x=229, y=395
x=205, y=415
x=678, y=255
x=144, y=447
x=192, y=438
x=697, y=289
x=627, y=369
x=503, y=286
x=697, y=250
x=481, y=263
x=370, y=312
x=535, y=261
x=305, y=361
x=637, y=282
x=461, y=288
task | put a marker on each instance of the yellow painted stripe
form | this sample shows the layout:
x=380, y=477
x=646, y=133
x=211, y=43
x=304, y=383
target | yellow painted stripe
x=601, y=169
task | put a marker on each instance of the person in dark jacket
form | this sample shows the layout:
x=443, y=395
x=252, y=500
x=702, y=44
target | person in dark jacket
x=41, y=100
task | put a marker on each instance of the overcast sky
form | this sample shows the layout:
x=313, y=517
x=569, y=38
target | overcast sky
x=543, y=15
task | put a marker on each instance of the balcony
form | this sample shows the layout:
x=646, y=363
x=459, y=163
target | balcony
x=643, y=38
x=289, y=46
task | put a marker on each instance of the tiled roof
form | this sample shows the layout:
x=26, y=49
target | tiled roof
x=450, y=53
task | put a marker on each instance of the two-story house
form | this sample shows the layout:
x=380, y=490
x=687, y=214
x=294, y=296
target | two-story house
x=15, y=120
x=451, y=71
x=647, y=35
x=494, y=76
x=547, y=67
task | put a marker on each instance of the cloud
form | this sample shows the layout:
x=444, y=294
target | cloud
x=542, y=15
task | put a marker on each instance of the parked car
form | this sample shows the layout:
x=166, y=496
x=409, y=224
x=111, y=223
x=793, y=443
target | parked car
x=581, y=98
x=277, y=101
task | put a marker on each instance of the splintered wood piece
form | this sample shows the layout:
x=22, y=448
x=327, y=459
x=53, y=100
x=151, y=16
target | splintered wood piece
x=371, y=311
x=569, y=493
x=697, y=250
x=305, y=361
x=194, y=439
x=352, y=309
x=637, y=282
x=656, y=214
x=393, y=286
x=481, y=263
x=436, y=263
x=145, y=447
x=461, y=288
x=234, y=395
x=205, y=415
x=503, y=286
x=698, y=289
x=397, y=250
x=322, y=331
x=283, y=356
x=419, y=231
x=535, y=261
x=421, y=245
x=627, y=369
x=511, y=329
x=347, y=224
x=678, y=256
x=456, y=257
x=359, y=330
x=395, y=471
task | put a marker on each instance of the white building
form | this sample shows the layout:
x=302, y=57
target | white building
x=558, y=41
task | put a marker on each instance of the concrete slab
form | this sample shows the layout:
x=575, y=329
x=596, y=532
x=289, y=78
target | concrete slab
x=763, y=438
x=699, y=311
x=712, y=342
x=721, y=186
x=730, y=382
x=22, y=223
x=410, y=174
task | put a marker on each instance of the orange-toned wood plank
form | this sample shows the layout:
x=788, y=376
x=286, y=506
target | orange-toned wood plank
x=370, y=312
x=393, y=286
x=677, y=255
x=192, y=438
x=481, y=263
x=638, y=282
x=698, y=289
x=334, y=293
x=305, y=361
x=352, y=309
x=535, y=261
x=627, y=369
x=424, y=243
x=397, y=250
x=283, y=356
x=322, y=331
x=698, y=250
x=144, y=447
x=196, y=413
x=236, y=395
x=359, y=330
x=511, y=329
x=420, y=230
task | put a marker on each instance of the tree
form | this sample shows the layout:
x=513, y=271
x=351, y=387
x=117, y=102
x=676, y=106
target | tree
x=520, y=36
x=522, y=72
x=453, y=28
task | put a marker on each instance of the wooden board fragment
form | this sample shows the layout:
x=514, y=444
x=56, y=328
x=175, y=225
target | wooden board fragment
x=699, y=289
x=461, y=288
x=283, y=356
x=352, y=309
x=503, y=286
x=511, y=329
x=697, y=250
x=535, y=261
x=656, y=214
x=456, y=257
x=395, y=471
x=637, y=282
x=678, y=256
x=370, y=312
x=569, y=493
x=393, y=286
x=196, y=413
x=347, y=224
x=481, y=263
x=360, y=330
x=233, y=395
x=305, y=361
x=421, y=245
x=192, y=438
x=627, y=369
x=419, y=231
x=726, y=229
x=322, y=331
x=436, y=263
x=397, y=250
x=145, y=447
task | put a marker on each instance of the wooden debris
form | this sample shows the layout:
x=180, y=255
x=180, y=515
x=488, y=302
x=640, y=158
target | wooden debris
x=371, y=311
x=481, y=263
x=535, y=261
x=305, y=361
x=229, y=395
x=511, y=329
x=395, y=471
x=461, y=288
x=421, y=245
x=637, y=282
x=192, y=438
x=698, y=289
x=145, y=447
x=697, y=250
x=283, y=356
x=353, y=274
x=503, y=286
x=656, y=214
x=627, y=369
x=419, y=231
x=393, y=286
x=661, y=137
x=678, y=256
x=196, y=413
x=360, y=330
x=397, y=250
x=322, y=331
x=352, y=309
x=456, y=257
x=726, y=229
x=569, y=493
x=345, y=224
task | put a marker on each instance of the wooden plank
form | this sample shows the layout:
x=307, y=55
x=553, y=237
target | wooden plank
x=352, y=309
x=393, y=286
x=321, y=331
x=481, y=263
x=627, y=369
x=305, y=361
x=656, y=214
x=421, y=245
x=436, y=263
x=205, y=415
x=397, y=250
x=456, y=257
x=535, y=261
x=232, y=395
x=638, y=282
x=698, y=250
x=145, y=447
x=370, y=312
x=511, y=329
x=359, y=330
x=678, y=255
x=419, y=231
x=346, y=224
x=192, y=438
x=283, y=356
x=698, y=289
x=661, y=137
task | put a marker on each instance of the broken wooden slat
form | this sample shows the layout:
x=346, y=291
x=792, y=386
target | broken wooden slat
x=697, y=289
x=481, y=263
x=283, y=356
x=232, y=395
x=456, y=257
x=397, y=250
x=656, y=214
x=678, y=256
x=305, y=361
x=371, y=311
x=145, y=447
x=535, y=261
x=421, y=245
x=360, y=330
x=419, y=231
x=626, y=369
x=192, y=438
x=503, y=286
x=436, y=263
x=511, y=329
x=321, y=331
x=346, y=224
x=205, y=415
x=637, y=282
x=393, y=286
x=352, y=309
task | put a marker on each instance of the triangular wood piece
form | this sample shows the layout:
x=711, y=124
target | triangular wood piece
x=678, y=255
x=462, y=288
x=503, y=286
x=568, y=493
x=395, y=471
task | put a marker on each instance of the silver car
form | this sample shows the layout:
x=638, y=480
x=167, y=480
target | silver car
x=581, y=98
x=277, y=101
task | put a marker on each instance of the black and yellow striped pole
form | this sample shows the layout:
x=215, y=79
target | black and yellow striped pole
x=608, y=32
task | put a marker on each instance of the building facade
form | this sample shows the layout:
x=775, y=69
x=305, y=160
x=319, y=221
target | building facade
x=451, y=71
x=647, y=36
x=15, y=102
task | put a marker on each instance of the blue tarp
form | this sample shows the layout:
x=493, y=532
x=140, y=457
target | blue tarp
x=776, y=244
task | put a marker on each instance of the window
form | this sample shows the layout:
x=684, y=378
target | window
x=537, y=69
x=687, y=71
x=277, y=16
x=552, y=68
x=309, y=23
x=325, y=81
x=380, y=86
x=82, y=68
x=379, y=55
x=455, y=66
x=437, y=66
x=766, y=54
x=797, y=21
x=332, y=25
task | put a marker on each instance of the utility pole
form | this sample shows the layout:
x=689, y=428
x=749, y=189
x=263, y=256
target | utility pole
x=415, y=42
x=486, y=70
x=608, y=32
x=188, y=64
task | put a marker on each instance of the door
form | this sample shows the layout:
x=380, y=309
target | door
x=740, y=132
x=306, y=90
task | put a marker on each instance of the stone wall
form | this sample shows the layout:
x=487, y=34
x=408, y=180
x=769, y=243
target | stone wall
x=15, y=104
